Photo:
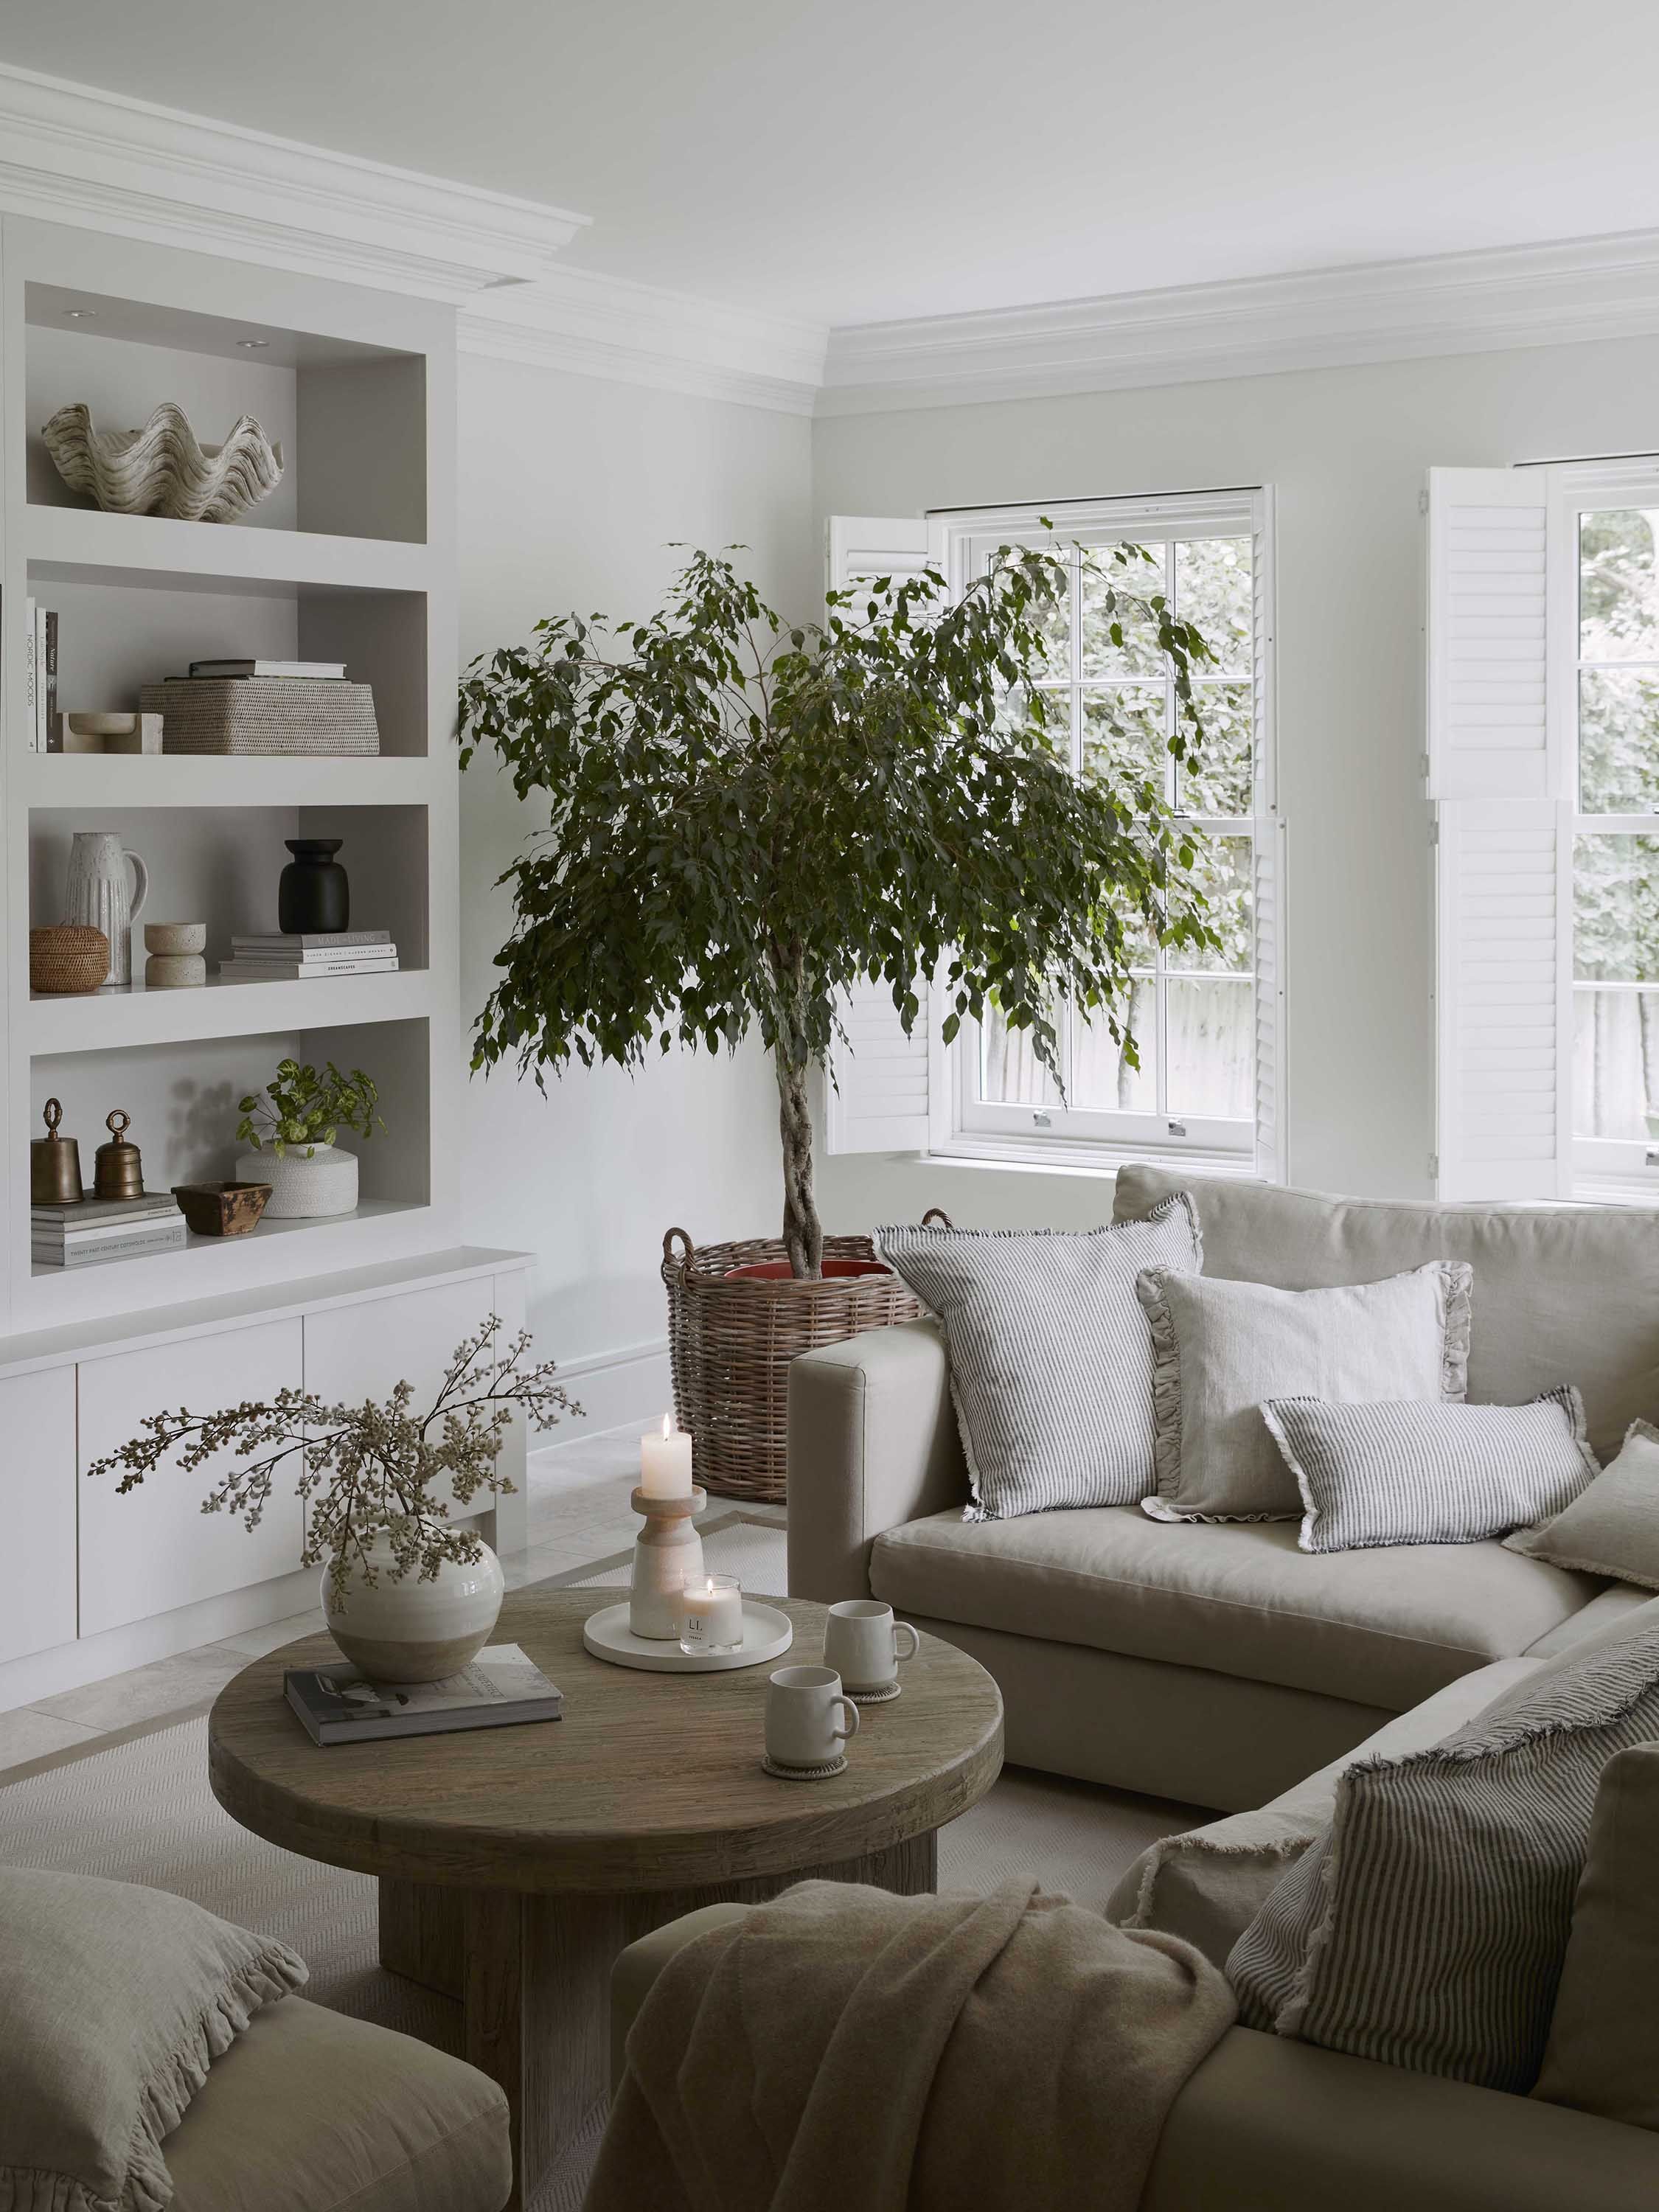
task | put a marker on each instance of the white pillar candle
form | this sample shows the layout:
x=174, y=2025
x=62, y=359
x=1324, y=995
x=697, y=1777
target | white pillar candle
x=711, y=1614
x=666, y=1463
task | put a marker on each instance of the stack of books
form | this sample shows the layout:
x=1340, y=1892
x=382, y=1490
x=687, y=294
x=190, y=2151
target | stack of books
x=278, y=959
x=320, y=671
x=90, y=1228
x=40, y=676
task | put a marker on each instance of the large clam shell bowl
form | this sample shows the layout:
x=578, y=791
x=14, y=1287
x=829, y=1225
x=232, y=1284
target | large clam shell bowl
x=162, y=469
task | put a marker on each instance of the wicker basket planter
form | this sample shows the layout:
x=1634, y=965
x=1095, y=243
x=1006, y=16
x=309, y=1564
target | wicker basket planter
x=731, y=1340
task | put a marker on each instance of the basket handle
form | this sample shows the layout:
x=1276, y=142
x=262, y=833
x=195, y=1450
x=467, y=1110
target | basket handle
x=685, y=1257
x=937, y=1213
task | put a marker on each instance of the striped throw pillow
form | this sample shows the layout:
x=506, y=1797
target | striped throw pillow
x=1427, y=1927
x=1051, y=1363
x=1414, y=1473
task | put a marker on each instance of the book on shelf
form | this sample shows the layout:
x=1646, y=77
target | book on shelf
x=306, y=971
x=31, y=673
x=101, y=1232
x=212, y=669
x=97, y=1212
x=322, y=940
x=501, y=1688
x=130, y=1243
x=48, y=736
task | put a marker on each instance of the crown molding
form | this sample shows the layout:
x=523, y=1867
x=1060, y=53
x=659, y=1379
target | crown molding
x=1581, y=288
x=599, y=325
x=71, y=153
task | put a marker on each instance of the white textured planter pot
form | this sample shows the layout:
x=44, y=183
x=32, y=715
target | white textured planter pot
x=325, y=1184
x=412, y=1630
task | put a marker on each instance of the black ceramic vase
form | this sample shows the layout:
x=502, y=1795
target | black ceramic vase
x=315, y=895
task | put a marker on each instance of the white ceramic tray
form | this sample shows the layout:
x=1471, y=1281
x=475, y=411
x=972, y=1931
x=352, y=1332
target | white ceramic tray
x=766, y=1634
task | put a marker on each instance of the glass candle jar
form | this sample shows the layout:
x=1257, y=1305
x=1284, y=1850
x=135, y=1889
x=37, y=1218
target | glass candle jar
x=711, y=1614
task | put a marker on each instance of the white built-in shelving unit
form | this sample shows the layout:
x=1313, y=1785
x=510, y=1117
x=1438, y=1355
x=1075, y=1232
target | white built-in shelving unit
x=351, y=559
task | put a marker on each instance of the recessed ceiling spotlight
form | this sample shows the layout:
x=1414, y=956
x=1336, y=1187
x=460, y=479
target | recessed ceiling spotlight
x=80, y=314
x=252, y=345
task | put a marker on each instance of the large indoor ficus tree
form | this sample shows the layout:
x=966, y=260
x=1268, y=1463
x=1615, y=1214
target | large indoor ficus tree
x=749, y=816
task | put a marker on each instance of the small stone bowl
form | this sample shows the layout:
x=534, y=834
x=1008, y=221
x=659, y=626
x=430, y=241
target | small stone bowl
x=171, y=938
x=222, y=1209
x=174, y=971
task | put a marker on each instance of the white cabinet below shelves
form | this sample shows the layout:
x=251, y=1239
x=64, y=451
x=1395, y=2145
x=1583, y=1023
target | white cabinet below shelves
x=37, y=1561
x=154, y=1550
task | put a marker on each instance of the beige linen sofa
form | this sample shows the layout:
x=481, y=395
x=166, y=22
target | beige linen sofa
x=1217, y=1665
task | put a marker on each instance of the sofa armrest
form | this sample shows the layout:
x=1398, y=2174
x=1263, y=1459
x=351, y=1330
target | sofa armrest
x=1280, y=2126
x=872, y=1444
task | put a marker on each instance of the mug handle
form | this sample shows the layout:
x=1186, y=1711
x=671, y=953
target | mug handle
x=851, y=1713
x=141, y=879
x=903, y=1628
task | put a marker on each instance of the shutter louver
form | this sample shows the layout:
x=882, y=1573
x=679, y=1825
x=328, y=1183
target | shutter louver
x=878, y=1097
x=1271, y=1148
x=1503, y=894
x=1488, y=726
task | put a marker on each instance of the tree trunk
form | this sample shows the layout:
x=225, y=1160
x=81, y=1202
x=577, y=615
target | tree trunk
x=803, y=1232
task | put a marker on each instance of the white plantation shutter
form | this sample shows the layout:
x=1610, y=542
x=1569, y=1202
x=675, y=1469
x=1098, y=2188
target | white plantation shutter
x=1489, y=734
x=881, y=1082
x=1503, y=844
x=1504, y=902
x=1272, y=1161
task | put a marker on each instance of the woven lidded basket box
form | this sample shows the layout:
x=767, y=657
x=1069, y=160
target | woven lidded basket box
x=262, y=715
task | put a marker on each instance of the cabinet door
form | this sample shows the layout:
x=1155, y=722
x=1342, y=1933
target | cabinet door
x=358, y=1351
x=37, y=1559
x=155, y=1549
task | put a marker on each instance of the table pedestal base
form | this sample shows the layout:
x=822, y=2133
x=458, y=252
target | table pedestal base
x=533, y=1977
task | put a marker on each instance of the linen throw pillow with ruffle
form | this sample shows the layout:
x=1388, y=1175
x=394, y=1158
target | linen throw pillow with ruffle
x=1051, y=1367
x=1414, y=1473
x=1427, y=1927
x=114, y=2001
x=1220, y=1348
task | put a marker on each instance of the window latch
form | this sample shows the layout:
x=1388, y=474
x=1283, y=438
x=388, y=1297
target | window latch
x=1041, y=1121
x=1177, y=1128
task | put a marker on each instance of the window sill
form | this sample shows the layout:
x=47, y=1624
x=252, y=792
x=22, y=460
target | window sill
x=1017, y=1156
x=1633, y=1191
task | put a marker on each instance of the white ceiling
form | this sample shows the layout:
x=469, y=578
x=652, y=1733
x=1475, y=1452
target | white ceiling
x=873, y=159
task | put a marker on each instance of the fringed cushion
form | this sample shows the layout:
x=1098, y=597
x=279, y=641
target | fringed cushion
x=114, y=2001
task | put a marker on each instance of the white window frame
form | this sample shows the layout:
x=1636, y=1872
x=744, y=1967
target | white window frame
x=1607, y=1168
x=964, y=1127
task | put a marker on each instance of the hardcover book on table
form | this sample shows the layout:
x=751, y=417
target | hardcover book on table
x=502, y=1687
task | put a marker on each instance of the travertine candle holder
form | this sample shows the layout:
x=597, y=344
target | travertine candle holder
x=665, y=1551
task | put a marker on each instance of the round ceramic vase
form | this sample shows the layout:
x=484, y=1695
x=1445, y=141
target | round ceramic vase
x=302, y=1189
x=413, y=1630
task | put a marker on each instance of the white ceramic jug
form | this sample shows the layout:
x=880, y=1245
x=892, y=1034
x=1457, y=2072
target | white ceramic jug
x=96, y=894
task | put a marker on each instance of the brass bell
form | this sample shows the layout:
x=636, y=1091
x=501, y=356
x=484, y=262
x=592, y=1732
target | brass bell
x=54, y=1165
x=120, y=1167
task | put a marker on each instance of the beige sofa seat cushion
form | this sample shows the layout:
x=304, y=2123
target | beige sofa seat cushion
x=1567, y=1294
x=1383, y=1628
x=310, y=2112
x=1207, y=1884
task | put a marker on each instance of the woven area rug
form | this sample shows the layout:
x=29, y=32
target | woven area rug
x=141, y=1811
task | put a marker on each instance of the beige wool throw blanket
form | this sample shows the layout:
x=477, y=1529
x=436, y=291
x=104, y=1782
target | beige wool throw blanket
x=843, y=2049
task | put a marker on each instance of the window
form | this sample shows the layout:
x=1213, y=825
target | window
x=1205, y=1027
x=1613, y=705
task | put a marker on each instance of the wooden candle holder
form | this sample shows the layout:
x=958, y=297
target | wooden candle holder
x=665, y=1551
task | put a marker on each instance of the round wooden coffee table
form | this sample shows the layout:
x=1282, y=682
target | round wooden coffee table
x=515, y=1863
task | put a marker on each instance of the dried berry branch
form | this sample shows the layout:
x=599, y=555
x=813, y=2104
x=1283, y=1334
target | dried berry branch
x=359, y=1470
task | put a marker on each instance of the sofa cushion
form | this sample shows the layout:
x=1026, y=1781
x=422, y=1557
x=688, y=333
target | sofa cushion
x=1612, y=1528
x=1384, y=1628
x=1207, y=1884
x=1411, y=1473
x=115, y=2001
x=1051, y=1367
x=1429, y=1925
x=1564, y=1294
x=310, y=2109
x=1219, y=1349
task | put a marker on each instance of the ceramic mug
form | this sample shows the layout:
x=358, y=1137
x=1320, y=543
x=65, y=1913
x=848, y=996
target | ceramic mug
x=861, y=1643
x=802, y=1703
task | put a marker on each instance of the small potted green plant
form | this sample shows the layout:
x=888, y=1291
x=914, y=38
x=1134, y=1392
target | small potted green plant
x=291, y=1125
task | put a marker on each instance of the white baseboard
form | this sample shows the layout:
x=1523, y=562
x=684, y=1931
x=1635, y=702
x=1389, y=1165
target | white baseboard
x=613, y=1388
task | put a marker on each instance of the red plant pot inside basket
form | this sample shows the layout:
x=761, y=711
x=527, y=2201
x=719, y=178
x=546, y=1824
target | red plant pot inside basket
x=777, y=1271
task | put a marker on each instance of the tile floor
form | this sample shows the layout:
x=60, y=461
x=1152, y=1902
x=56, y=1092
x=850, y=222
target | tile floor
x=578, y=1511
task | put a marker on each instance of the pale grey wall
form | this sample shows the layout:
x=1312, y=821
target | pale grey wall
x=1346, y=450
x=570, y=488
